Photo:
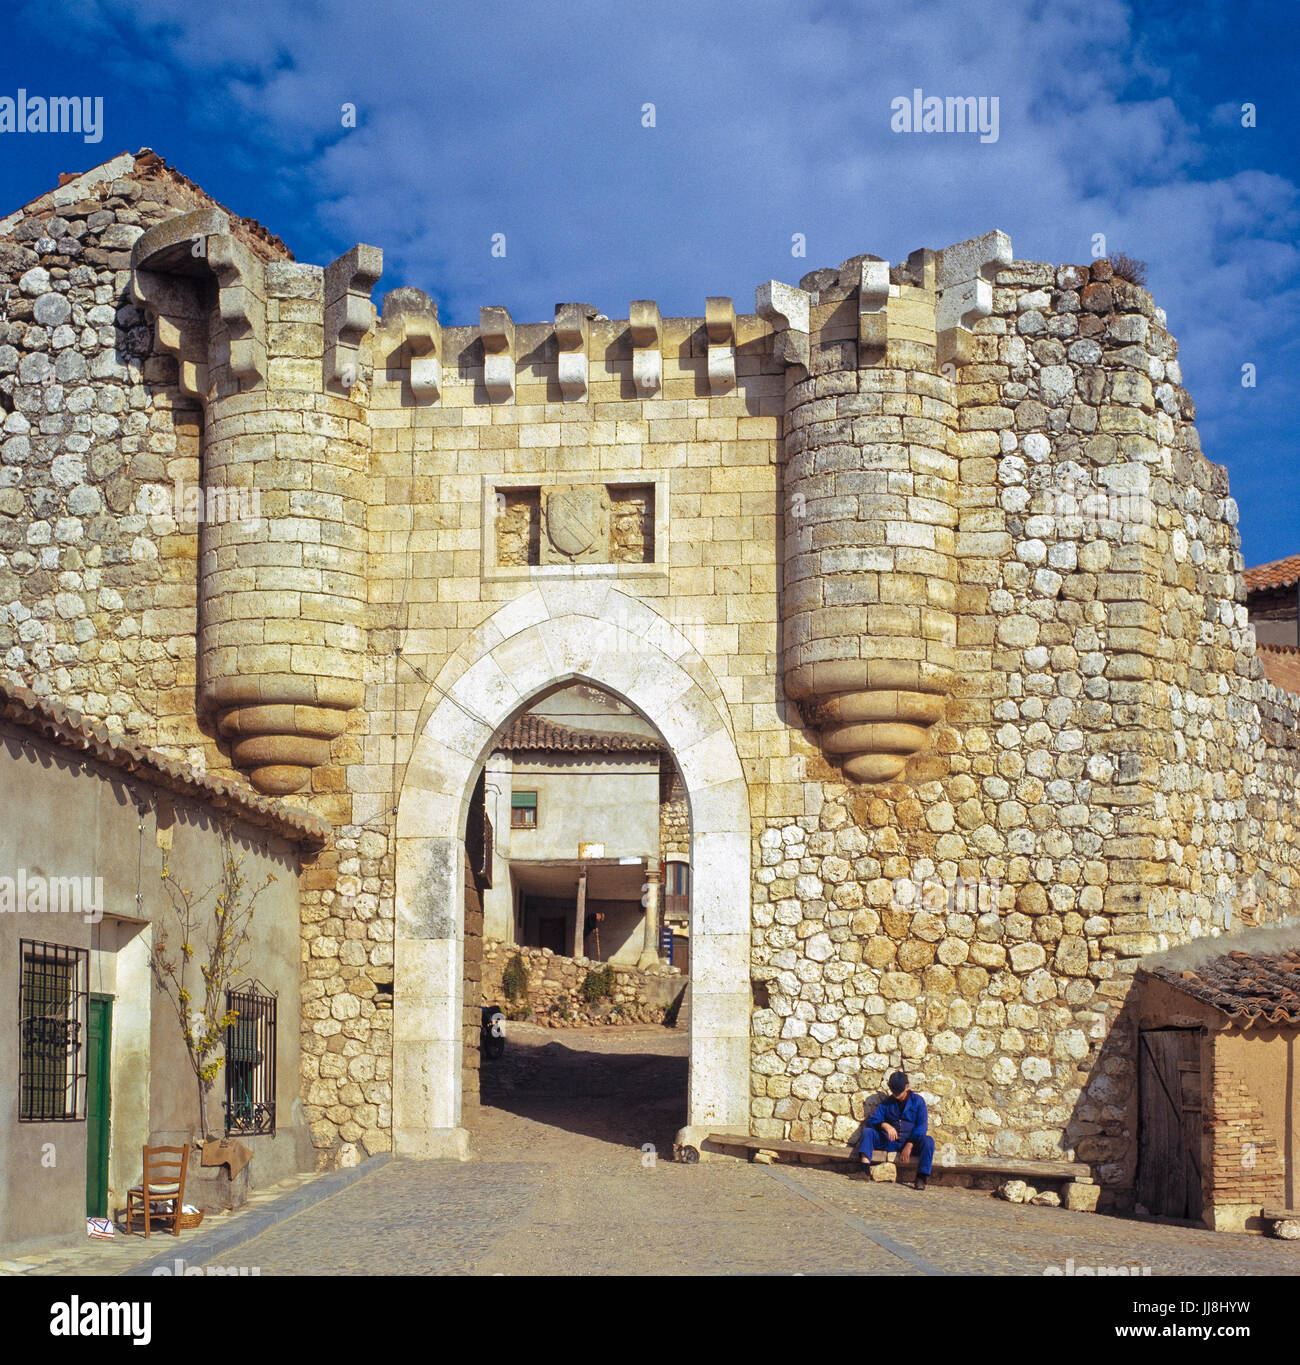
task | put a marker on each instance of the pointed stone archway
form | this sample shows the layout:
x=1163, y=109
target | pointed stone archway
x=557, y=634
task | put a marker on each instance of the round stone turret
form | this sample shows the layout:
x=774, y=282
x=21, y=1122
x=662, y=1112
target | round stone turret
x=870, y=518
x=270, y=348
x=282, y=596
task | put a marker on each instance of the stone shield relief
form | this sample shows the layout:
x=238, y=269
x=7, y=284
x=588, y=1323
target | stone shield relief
x=577, y=525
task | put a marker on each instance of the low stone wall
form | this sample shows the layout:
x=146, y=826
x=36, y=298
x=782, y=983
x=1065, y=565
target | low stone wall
x=555, y=998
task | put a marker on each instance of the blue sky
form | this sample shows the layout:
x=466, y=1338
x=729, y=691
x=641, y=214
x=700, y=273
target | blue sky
x=771, y=118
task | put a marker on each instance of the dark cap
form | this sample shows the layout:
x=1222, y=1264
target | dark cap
x=898, y=1082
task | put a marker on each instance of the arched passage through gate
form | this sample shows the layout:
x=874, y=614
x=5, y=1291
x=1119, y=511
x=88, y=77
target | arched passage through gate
x=552, y=636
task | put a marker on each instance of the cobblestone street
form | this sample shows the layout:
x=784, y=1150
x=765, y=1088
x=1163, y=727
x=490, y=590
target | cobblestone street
x=560, y=1184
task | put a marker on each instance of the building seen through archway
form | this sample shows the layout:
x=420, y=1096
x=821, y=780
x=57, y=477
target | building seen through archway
x=590, y=833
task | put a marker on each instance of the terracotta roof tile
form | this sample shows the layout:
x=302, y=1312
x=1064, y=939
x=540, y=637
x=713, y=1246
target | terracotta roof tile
x=1281, y=665
x=1253, y=989
x=20, y=706
x=1281, y=573
x=532, y=732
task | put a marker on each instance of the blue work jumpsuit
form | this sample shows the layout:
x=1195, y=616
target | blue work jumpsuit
x=910, y=1118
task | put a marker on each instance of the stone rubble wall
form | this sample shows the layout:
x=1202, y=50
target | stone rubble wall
x=98, y=596
x=347, y=1026
x=1116, y=770
x=674, y=818
x=555, y=998
x=633, y=526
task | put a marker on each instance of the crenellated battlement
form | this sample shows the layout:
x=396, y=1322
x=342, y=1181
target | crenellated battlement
x=931, y=305
x=859, y=363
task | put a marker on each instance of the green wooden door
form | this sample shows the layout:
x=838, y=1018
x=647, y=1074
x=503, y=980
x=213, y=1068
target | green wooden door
x=97, y=1105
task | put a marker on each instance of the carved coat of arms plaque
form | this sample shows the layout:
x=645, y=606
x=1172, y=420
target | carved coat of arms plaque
x=577, y=525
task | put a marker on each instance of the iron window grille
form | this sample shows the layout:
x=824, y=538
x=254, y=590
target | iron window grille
x=53, y=995
x=250, y=1062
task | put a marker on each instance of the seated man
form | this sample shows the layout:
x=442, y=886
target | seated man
x=898, y=1125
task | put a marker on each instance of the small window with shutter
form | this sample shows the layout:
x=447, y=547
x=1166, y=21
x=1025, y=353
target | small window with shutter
x=523, y=810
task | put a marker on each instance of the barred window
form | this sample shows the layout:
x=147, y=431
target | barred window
x=53, y=991
x=250, y=1061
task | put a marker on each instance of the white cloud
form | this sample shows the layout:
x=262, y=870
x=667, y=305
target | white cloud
x=771, y=119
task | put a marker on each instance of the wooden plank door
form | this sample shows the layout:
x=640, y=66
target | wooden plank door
x=98, y=1104
x=1169, y=1122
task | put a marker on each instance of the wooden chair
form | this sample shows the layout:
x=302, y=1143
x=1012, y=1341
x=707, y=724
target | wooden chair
x=163, y=1181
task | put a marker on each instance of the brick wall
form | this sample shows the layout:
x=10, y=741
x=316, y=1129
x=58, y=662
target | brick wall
x=1245, y=1165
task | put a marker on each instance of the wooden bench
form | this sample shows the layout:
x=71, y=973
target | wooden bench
x=1010, y=1167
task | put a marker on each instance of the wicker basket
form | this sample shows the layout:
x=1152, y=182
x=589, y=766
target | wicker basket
x=191, y=1220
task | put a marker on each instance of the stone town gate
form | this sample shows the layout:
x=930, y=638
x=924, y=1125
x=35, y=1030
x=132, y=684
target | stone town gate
x=552, y=636
x=918, y=567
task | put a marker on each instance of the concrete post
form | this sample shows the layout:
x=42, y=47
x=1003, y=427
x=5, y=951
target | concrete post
x=580, y=914
x=650, y=951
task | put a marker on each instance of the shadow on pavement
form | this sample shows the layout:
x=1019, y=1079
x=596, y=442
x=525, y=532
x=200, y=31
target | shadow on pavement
x=625, y=1098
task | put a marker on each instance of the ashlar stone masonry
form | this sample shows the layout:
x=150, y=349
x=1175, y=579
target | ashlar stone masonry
x=919, y=569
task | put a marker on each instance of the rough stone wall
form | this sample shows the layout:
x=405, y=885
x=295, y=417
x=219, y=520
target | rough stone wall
x=555, y=998
x=347, y=1063
x=98, y=595
x=518, y=529
x=674, y=818
x=633, y=526
x=1269, y=835
x=1028, y=534
x=1100, y=781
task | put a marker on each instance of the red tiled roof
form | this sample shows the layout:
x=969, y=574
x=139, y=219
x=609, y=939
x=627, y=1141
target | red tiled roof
x=1253, y=989
x=20, y=706
x=1281, y=573
x=532, y=732
x=1281, y=665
